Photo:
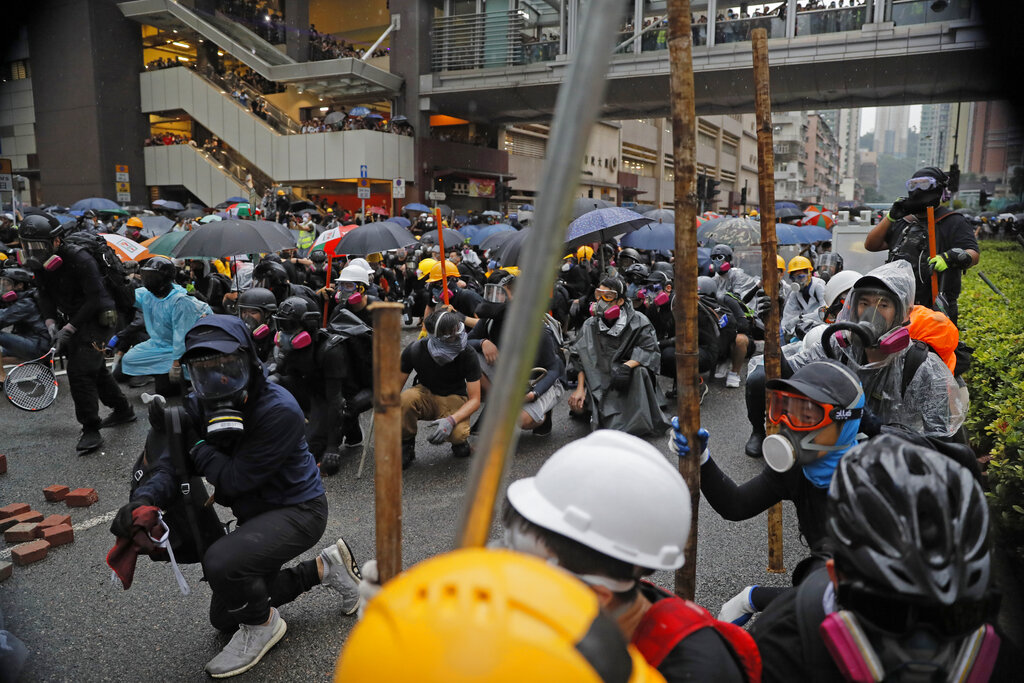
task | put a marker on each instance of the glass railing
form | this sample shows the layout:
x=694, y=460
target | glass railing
x=478, y=41
x=272, y=116
x=907, y=12
x=814, y=22
x=738, y=30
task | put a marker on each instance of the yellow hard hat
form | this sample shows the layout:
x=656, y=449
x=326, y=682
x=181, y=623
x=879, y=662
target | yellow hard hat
x=423, y=269
x=450, y=270
x=780, y=262
x=585, y=252
x=280, y=193
x=800, y=263
x=3, y=256
x=753, y=212
x=487, y=615
x=514, y=270
x=375, y=257
x=134, y=222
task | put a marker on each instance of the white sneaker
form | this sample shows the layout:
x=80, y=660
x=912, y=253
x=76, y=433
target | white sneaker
x=723, y=369
x=342, y=574
x=247, y=647
x=732, y=380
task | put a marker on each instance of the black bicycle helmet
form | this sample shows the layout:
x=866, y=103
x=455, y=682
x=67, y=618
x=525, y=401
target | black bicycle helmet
x=22, y=275
x=294, y=314
x=39, y=226
x=722, y=249
x=706, y=286
x=629, y=253
x=909, y=522
x=637, y=272
x=658, y=277
x=258, y=297
x=269, y=274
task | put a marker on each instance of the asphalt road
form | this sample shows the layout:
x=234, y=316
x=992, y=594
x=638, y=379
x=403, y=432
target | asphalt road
x=80, y=627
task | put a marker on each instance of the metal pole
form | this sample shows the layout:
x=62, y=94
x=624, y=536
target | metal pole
x=769, y=269
x=576, y=111
x=684, y=306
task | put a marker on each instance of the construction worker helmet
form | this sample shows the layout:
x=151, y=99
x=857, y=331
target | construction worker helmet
x=488, y=615
x=450, y=270
x=800, y=263
x=780, y=262
x=375, y=257
x=424, y=267
x=134, y=222
x=585, y=252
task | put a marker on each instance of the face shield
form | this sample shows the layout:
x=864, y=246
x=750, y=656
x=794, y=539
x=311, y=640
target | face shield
x=252, y=316
x=827, y=263
x=37, y=249
x=495, y=294
x=877, y=309
x=220, y=375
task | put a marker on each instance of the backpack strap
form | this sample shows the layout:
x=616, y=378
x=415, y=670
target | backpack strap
x=670, y=620
x=809, y=614
x=917, y=354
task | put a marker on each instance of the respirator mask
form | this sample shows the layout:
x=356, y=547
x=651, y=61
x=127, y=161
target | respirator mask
x=39, y=253
x=348, y=294
x=253, y=319
x=719, y=264
x=800, y=419
x=221, y=382
x=9, y=296
x=874, y=312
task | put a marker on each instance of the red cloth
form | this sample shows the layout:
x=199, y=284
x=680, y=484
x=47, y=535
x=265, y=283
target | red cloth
x=125, y=553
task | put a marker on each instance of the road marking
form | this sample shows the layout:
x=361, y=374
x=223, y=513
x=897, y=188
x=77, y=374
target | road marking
x=84, y=526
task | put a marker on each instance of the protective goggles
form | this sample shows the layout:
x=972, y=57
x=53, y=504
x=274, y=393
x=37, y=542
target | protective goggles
x=347, y=287
x=495, y=294
x=288, y=325
x=803, y=414
x=922, y=183
x=718, y=257
x=37, y=249
x=454, y=334
x=219, y=375
x=606, y=295
x=891, y=615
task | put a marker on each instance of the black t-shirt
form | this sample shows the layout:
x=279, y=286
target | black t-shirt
x=441, y=380
x=951, y=231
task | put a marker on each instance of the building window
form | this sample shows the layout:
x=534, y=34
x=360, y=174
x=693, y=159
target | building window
x=18, y=70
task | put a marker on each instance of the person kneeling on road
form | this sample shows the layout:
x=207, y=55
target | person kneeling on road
x=252, y=448
x=447, y=386
x=28, y=337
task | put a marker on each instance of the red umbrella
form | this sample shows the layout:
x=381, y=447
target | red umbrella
x=329, y=239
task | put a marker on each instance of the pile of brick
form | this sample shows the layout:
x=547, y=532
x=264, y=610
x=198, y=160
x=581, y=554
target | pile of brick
x=32, y=534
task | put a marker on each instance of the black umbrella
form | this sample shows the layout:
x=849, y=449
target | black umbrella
x=451, y=237
x=787, y=212
x=493, y=242
x=303, y=205
x=374, y=237
x=444, y=209
x=662, y=215
x=190, y=213
x=231, y=237
x=508, y=251
x=585, y=204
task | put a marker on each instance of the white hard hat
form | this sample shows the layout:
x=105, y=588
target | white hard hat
x=614, y=493
x=813, y=337
x=8, y=216
x=353, y=273
x=361, y=263
x=838, y=284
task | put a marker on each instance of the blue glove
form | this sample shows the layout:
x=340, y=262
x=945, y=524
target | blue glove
x=680, y=445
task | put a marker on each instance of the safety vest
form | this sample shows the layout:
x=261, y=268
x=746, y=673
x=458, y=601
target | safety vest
x=306, y=239
x=672, y=619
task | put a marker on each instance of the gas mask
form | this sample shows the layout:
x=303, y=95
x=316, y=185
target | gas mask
x=801, y=278
x=349, y=294
x=876, y=329
x=605, y=309
x=9, y=296
x=654, y=295
x=39, y=253
x=800, y=420
x=221, y=382
x=253, y=319
x=567, y=265
x=437, y=294
x=292, y=341
x=719, y=265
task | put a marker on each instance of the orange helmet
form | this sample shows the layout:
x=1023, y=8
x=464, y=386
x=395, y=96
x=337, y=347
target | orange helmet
x=937, y=331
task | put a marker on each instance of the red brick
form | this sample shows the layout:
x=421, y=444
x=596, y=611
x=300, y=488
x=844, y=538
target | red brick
x=51, y=521
x=27, y=553
x=19, y=533
x=30, y=516
x=6, y=569
x=14, y=509
x=56, y=493
x=59, y=535
x=3, y=468
x=81, y=498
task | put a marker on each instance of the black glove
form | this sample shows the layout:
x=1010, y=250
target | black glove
x=763, y=307
x=621, y=377
x=898, y=210
x=869, y=423
x=64, y=336
x=122, y=525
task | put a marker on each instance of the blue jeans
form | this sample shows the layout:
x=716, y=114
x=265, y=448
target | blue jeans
x=23, y=348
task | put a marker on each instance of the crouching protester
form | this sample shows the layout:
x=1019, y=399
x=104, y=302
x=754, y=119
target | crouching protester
x=249, y=443
x=611, y=510
x=908, y=594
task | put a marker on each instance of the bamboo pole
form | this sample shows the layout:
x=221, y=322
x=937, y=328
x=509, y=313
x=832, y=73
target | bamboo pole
x=387, y=424
x=769, y=251
x=684, y=306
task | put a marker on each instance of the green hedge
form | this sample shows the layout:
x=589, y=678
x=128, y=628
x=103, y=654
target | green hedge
x=996, y=380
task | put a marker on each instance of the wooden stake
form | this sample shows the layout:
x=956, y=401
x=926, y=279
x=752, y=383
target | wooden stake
x=387, y=418
x=444, y=255
x=684, y=307
x=769, y=251
x=931, y=252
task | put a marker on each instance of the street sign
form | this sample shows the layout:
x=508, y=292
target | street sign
x=363, y=193
x=436, y=196
x=124, y=191
x=398, y=188
x=363, y=182
x=6, y=176
x=362, y=171
x=121, y=173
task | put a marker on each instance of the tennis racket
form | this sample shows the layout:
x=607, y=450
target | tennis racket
x=32, y=385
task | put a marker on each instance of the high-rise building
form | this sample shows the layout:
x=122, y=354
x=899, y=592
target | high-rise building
x=997, y=141
x=845, y=125
x=934, y=138
x=891, y=127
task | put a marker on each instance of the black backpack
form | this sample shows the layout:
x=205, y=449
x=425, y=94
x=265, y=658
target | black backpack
x=912, y=246
x=110, y=267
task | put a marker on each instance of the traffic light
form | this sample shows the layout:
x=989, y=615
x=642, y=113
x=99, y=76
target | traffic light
x=713, y=191
x=983, y=199
x=743, y=196
x=503, y=192
x=702, y=185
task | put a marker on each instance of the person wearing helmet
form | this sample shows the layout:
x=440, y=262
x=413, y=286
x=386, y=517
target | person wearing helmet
x=819, y=412
x=447, y=387
x=73, y=291
x=27, y=337
x=272, y=275
x=908, y=594
x=637, y=508
x=827, y=265
x=351, y=292
x=316, y=274
x=462, y=299
x=903, y=232
x=635, y=276
x=728, y=277
x=133, y=228
x=616, y=355
x=208, y=284
x=256, y=307
x=512, y=618
x=169, y=312
x=723, y=341
x=626, y=258
x=8, y=231
x=804, y=301
x=252, y=448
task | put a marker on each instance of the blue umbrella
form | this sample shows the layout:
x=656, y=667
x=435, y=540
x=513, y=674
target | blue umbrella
x=64, y=218
x=359, y=111
x=814, y=233
x=416, y=207
x=401, y=220
x=374, y=116
x=527, y=207
x=496, y=214
x=96, y=204
x=486, y=231
x=399, y=118
x=653, y=237
x=170, y=206
x=232, y=200
x=785, y=205
x=602, y=224
x=469, y=231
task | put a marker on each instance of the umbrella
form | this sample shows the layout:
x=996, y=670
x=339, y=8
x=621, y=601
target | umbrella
x=374, y=115
x=63, y=218
x=224, y=204
x=359, y=111
x=445, y=209
x=485, y=231
x=820, y=219
x=334, y=117
x=401, y=220
x=655, y=237
x=527, y=207
x=785, y=205
x=96, y=204
x=154, y=226
x=164, y=244
x=303, y=205
x=470, y=231
x=585, y=204
x=399, y=119
x=734, y=231
x=644, y=209
x=814, y=207
x=661, y=215
x=328, y=239
x=212, y=218
x=191, y=213
x=232, y=200
x=168, y=205
x=496, y=214
x=126, y=249
x=422, y=208
x=375, y=237
x=497, y=240
x=601, y=224
x=788, y=212
x=231, y=237
x=711, y=215
x=508, y=252
x=376, y=210
x=450, y=237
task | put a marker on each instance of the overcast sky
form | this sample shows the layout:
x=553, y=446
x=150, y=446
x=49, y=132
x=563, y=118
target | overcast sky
x=867, y=118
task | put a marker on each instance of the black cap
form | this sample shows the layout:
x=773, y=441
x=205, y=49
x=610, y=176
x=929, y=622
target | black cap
x=210, y=339
x=824, y=381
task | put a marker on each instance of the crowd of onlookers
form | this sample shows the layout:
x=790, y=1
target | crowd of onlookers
x=259, y=16
x=162, y=63
x=325, y=46
x=169, y=138
x=257, y=105
x=370, y=122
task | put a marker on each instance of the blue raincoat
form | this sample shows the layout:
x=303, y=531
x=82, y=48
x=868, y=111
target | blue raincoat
x=167, y=321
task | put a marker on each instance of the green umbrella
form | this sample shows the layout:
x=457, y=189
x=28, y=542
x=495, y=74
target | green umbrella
x=162, y=245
